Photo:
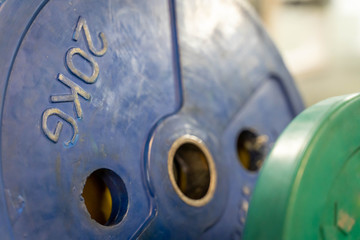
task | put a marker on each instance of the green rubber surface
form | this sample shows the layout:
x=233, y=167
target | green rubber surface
x=309, y=187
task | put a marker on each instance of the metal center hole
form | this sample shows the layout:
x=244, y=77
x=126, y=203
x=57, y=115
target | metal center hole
x=191, y=171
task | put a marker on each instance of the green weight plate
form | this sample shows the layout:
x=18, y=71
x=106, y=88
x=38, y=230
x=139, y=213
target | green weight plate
x=309, y=187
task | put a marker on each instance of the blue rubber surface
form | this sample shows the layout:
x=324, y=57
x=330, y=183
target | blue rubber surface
x=170, y=68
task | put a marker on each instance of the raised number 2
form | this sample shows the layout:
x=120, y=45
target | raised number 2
x=81, y=24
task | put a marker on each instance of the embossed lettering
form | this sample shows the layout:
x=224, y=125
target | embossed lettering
x=54, y=136
x=81, y=24
x=76, y=91
x=69, y=62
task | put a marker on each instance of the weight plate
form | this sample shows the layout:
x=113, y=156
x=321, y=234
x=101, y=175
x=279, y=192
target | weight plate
x=100, y=98
x=309, y=185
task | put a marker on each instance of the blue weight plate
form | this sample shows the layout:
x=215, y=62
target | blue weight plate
x=118, y=86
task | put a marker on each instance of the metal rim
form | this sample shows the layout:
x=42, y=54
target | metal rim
x=212, y=169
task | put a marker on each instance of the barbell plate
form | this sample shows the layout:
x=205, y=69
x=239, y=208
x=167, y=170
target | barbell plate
x=309, y=185
x=106, y=89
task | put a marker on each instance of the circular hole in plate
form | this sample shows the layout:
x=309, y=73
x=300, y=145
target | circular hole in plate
x=192, y=171
x=105, y=197
x=251, y=149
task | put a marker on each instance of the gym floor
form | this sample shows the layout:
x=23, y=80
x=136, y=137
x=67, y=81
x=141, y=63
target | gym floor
x=320, y=44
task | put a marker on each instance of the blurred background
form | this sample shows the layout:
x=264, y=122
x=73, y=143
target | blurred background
x=319, y=41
